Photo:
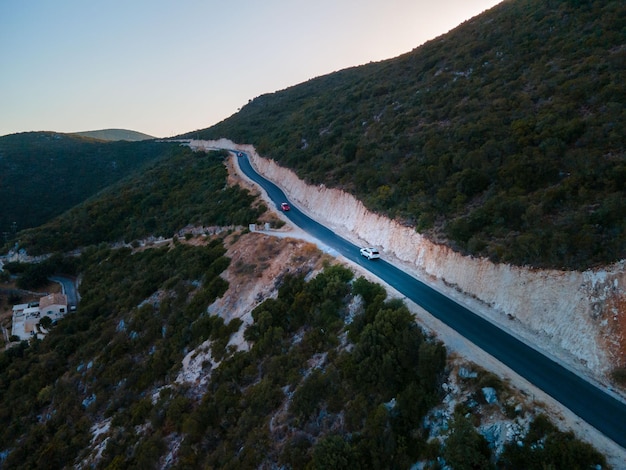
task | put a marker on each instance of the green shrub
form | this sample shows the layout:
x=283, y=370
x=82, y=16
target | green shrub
x=619, y=376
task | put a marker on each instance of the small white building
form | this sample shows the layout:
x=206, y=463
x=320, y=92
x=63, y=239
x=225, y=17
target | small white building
x=27, y=316
x=53, y=305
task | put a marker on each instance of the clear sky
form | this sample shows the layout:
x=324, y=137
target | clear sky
x=165, y=67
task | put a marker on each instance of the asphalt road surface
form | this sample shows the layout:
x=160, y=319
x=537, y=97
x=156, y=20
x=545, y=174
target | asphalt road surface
x=590, y=403
x=69, y=289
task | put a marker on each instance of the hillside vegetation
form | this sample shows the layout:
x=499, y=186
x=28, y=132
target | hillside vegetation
x=43, y=174
x=186, y=188
x=336, y=376
x=504, y=138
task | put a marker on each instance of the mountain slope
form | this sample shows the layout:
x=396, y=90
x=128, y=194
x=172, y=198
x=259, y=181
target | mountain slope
x=298, y=365
x=181, y=189
x=43, y=174
x=504, y=138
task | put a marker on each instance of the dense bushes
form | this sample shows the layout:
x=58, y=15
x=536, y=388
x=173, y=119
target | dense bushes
x=128, y=337
x=465, y=448
x=546, y=447
x=336, y=375
x=248, y=387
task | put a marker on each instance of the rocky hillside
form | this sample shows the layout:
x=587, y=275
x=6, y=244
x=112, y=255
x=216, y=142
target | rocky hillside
x=578, y=316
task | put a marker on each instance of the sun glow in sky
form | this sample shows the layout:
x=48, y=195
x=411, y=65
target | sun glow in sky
x=166, y=67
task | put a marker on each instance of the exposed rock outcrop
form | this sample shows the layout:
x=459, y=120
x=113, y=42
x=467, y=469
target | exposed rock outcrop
x=578, y=316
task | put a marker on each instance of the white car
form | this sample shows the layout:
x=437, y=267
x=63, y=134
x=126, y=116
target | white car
x=370, y=253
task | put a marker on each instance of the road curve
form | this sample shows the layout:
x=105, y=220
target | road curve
x=69, y=289
x=597, y=408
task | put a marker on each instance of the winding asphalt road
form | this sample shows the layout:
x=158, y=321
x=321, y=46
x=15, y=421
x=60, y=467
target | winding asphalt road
x=69, y=289
x=590, y=403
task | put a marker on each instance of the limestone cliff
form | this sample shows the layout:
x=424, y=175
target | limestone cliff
x=579, y=317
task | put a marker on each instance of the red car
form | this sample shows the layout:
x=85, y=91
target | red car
x=285, y=207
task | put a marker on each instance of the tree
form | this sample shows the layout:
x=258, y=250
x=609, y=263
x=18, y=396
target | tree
x=465, y=448
x=45, y=322
x=332, y=452
x=386, y=355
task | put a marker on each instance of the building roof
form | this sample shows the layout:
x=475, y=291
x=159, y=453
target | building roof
x=52, y=299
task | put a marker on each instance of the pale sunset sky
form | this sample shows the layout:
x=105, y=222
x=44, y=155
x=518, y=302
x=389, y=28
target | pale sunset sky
x=166, y=67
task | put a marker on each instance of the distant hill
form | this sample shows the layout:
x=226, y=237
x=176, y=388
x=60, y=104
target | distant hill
x=115, y=134
x=42, y=174
x=504, y=138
